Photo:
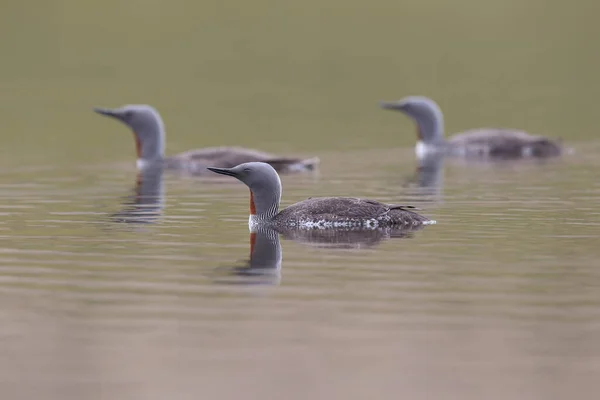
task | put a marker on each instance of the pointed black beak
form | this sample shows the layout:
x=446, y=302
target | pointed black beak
x=222, y=171
x=391, y=105
x=107, y=111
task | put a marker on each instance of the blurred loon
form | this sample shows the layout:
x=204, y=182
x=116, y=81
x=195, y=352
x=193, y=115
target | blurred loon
x=493, y=143
x=321, y=212
x=149, y=133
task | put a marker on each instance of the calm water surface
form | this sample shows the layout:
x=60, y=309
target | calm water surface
x=108, y=294
x=499, y=299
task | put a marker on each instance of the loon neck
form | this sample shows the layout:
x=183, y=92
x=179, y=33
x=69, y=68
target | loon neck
x=425, y=149
x=256, y=221
x=148, y=163
x=263, y=206
x=430, y=124
x=150, y=138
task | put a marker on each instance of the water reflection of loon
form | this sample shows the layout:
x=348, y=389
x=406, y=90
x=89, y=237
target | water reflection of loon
x=348, y=238
x=264, y=264
x=428, y=179
x=146, y=204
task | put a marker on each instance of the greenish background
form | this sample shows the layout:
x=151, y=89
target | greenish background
x=288, y=76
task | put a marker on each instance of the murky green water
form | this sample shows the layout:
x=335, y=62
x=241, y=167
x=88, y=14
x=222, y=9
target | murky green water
x=499, y=300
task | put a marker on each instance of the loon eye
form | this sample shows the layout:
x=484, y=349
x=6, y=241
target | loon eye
x=128, y=114
x=246, y=169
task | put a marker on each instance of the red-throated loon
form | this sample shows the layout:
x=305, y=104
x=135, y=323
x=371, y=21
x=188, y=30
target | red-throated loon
x=319, y=212
x=492, y=143
x=149, y=132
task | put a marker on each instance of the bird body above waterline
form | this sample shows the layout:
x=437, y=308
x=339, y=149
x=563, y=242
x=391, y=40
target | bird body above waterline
x=491, y=143
x=149, y=133
x=342, y=212
x=320, y=212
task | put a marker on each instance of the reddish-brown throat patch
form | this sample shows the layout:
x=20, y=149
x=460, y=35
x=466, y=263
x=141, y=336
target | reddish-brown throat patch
x=138, y=145
x=419, y=134
x=252, y=242
x=252, y=206
x=138, y=184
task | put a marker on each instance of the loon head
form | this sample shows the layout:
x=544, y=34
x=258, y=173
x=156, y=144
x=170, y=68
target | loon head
x=147, y=126
x=264, y=184
x=426, y=114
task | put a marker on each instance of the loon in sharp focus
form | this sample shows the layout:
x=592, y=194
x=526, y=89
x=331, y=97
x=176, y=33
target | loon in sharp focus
x=320, y=212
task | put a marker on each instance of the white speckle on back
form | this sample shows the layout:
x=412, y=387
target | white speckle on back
x=371, y=223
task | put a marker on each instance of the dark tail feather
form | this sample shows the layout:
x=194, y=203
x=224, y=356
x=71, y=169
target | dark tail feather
x=546, y=148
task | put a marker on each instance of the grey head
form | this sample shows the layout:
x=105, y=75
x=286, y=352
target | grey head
x=264, y=184
x=147, y=127
x=425, y=112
